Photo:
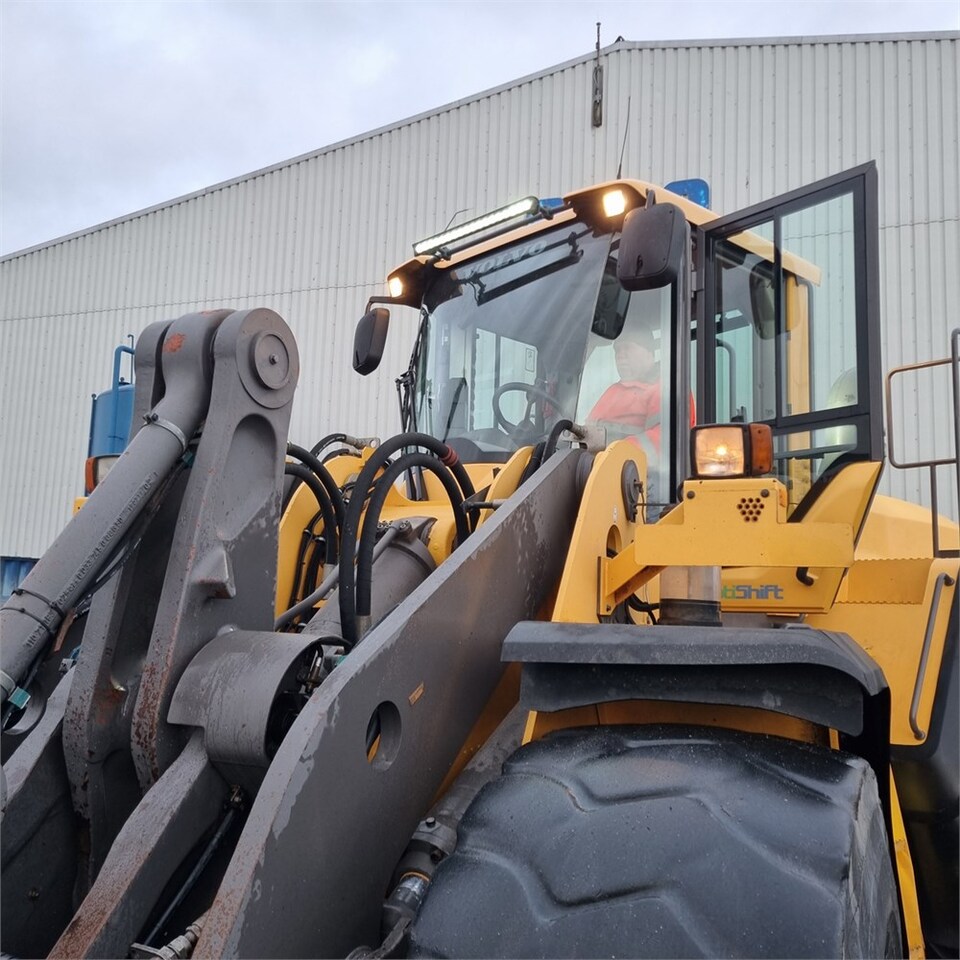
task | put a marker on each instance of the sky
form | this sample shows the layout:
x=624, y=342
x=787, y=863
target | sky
x=107, y=108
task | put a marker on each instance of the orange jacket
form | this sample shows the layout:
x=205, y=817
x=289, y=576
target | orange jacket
x=634, y=404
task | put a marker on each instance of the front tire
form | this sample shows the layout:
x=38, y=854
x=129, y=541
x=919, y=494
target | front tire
x=668, y=841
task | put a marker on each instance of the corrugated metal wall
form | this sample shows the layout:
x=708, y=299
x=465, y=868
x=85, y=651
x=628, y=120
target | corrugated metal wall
x=314, y=237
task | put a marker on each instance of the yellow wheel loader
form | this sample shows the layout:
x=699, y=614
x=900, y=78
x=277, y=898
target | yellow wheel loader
x=614, y=651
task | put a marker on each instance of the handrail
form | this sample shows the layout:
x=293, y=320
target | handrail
x=955, y=365
x=954, y=361
x=943, y=580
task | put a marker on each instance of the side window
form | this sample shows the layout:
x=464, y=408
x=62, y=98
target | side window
x=647, y=315
x=599, y=371
x=626, y=385
x=745, y=327
x=822, y=236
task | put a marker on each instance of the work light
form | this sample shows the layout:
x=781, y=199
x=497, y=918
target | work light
x=614, y=203
x=510, y=212
x=731, y=450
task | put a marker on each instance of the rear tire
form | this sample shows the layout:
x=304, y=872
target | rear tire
x=668, y=841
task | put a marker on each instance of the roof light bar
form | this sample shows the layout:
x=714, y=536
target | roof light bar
x=519, y=208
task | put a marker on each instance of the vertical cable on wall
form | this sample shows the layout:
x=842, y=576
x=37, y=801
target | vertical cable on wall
x=597, y=117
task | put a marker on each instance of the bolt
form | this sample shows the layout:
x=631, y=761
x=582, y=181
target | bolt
x=34, y=893
x=430, y=822
x=690, y=494
x=273, y=359
x=764, y=492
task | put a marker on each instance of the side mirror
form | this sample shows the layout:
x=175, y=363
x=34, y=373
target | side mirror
x=652, y=246
x=763, y=302
x=370, y=339
x=612, y=304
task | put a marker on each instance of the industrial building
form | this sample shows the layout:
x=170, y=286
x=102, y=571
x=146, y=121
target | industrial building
x=314, y=237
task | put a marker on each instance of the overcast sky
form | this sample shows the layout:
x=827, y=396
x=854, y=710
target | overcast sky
x=110, y=107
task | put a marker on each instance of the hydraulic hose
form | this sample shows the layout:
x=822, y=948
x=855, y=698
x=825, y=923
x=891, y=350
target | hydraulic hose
x=326, y=441
x=298, y=576
x=354, y=512
x=546, y=448
x=550, y=448
x=447, y=455
x=358, y=443
x=300, y=608
x=368, y=538
x=533, y=464
x=311, y=460
x=312, y=574
x=326, y=507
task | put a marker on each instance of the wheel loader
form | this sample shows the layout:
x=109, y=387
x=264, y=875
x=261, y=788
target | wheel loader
x=537, y=677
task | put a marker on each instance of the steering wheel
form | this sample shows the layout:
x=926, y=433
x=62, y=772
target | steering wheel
x=526, y=425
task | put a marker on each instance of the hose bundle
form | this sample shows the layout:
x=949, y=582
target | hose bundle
x=441, y=460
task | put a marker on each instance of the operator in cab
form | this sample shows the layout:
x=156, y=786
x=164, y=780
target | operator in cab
x=634, y=400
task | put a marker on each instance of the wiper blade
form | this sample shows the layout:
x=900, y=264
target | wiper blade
x=505, y=260
x=485, y=294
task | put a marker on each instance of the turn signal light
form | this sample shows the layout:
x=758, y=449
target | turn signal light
x=731, y=450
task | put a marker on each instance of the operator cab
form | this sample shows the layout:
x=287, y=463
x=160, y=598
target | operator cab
x=522, y=330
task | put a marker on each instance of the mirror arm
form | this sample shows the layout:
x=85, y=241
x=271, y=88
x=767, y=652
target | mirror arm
x=373, y=300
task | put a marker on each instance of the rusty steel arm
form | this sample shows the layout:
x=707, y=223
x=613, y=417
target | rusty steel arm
x=63, y=575
x=123, y=791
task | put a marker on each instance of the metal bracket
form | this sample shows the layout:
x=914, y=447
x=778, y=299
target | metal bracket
x=152, y=420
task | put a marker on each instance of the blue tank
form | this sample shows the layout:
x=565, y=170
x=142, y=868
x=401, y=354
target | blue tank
x=112, y=413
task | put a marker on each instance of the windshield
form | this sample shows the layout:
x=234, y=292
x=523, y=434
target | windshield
x=540, y=330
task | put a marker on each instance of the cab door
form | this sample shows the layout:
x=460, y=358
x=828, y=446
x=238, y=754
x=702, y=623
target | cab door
x=788, y=326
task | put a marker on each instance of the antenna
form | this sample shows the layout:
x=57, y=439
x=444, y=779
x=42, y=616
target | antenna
x=623, y=149
x=454, y=217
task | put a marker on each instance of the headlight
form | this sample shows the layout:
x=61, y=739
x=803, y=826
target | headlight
x=731, y=450
x=395, y=286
